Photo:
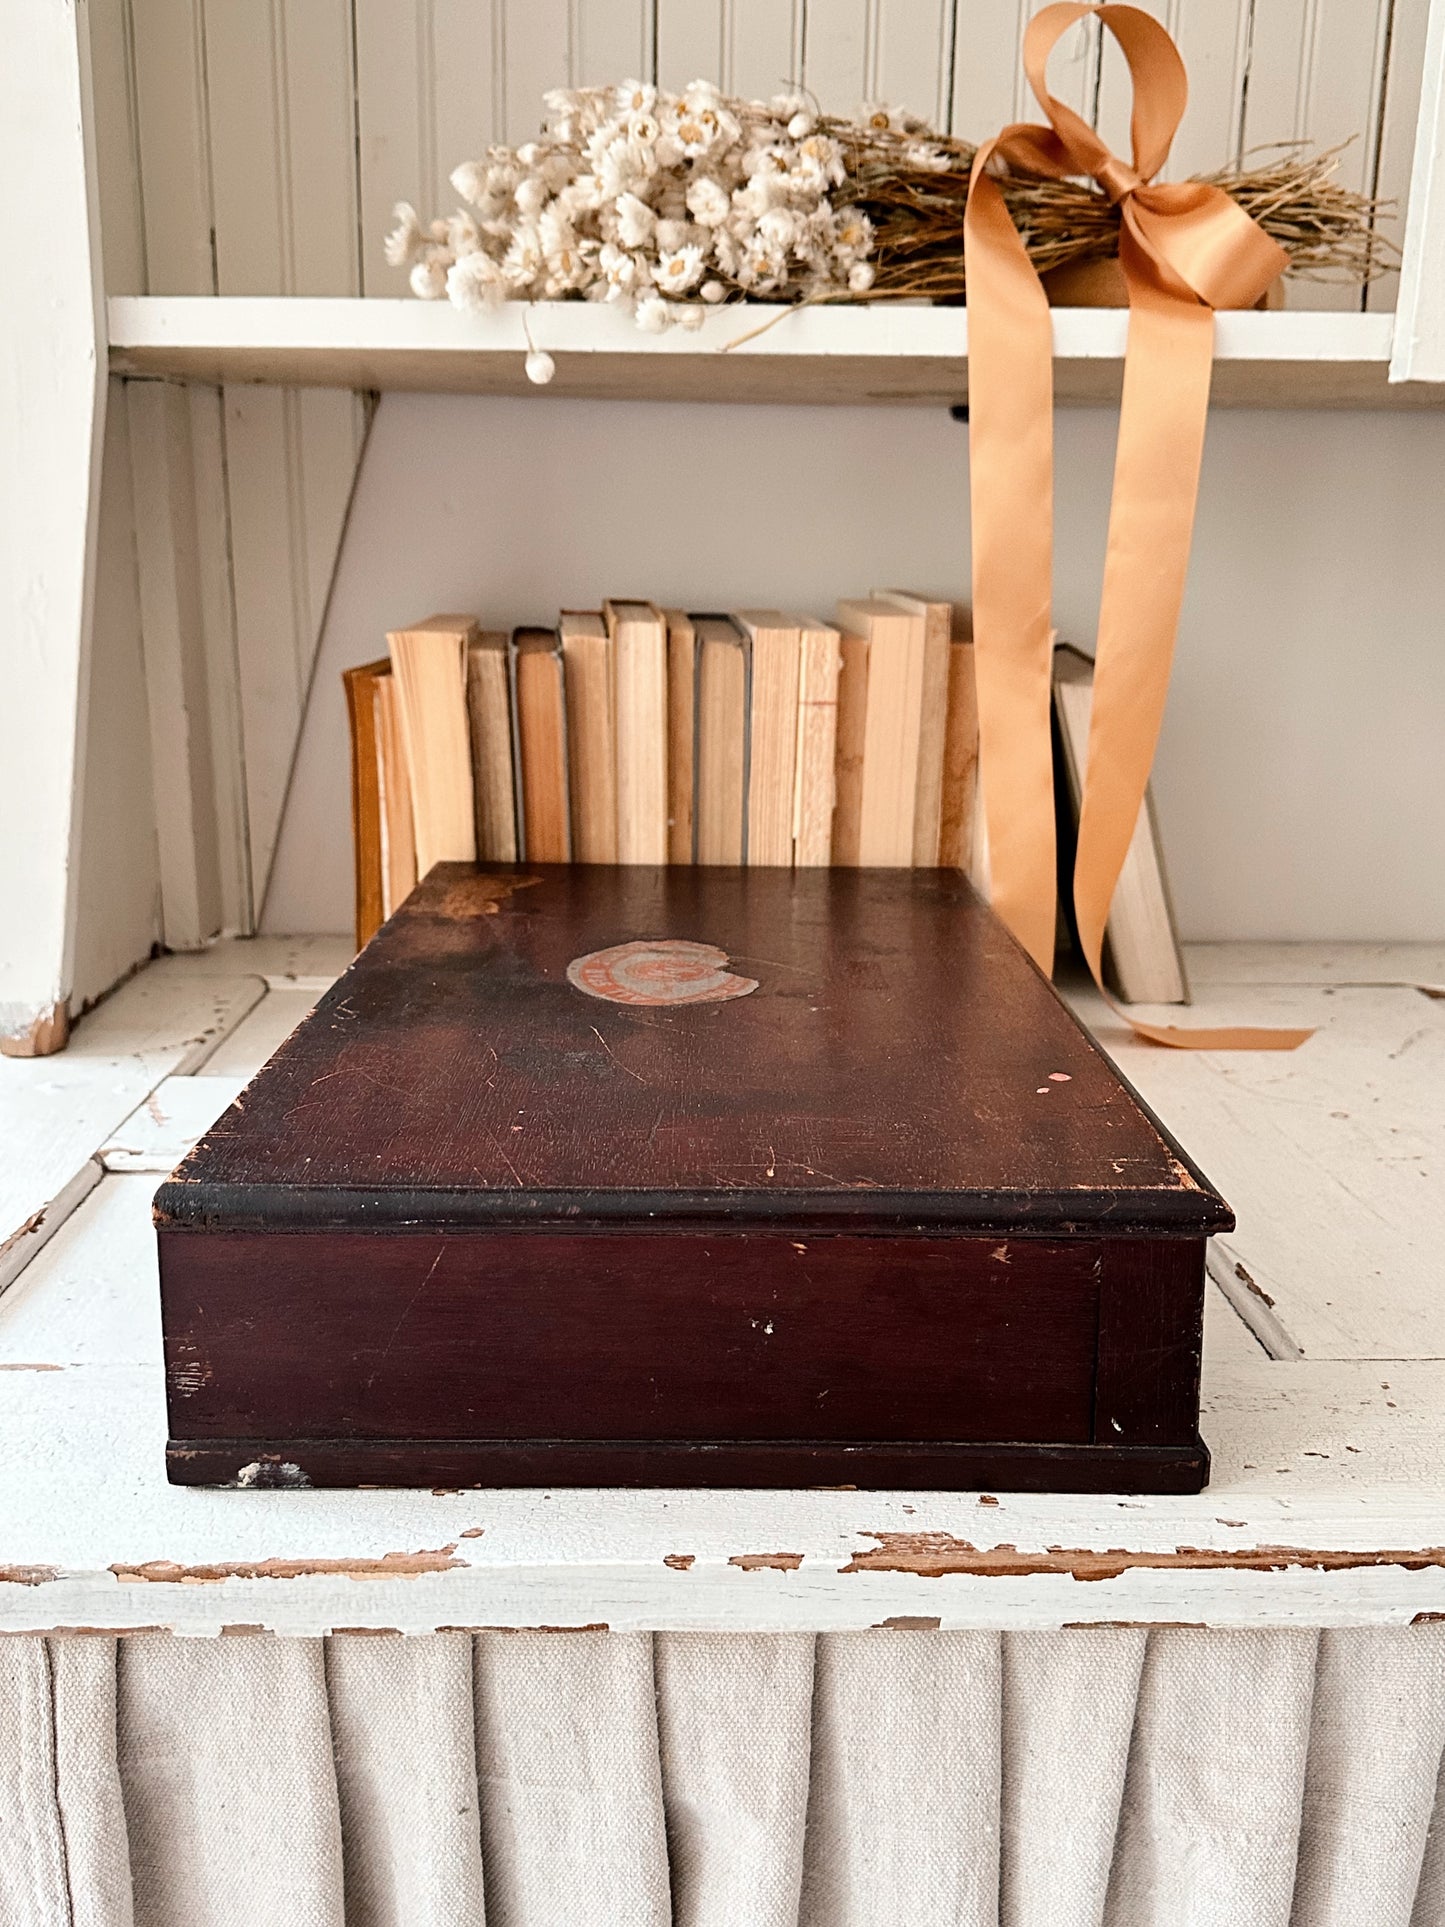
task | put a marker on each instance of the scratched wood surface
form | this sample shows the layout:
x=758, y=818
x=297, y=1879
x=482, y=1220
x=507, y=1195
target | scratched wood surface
x=502, y=1211
x=896, y=1061
x=1324, y=1509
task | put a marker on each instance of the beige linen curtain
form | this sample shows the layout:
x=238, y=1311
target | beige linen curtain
x=1086, y=1778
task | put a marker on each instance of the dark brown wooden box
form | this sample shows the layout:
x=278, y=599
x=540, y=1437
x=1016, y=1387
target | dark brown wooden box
x=888, y=1218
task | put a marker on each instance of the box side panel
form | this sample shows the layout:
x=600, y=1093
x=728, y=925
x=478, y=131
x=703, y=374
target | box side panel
x=628, y=1336
x=1151, y=1340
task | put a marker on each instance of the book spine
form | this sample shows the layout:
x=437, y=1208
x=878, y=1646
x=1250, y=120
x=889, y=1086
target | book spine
x=956, y=833
x=773, y=735
x=851, y=728
x=366, y=830
x=681, y=731
x=489, y=706
x=590, y=753
x=932, y=733
x=815, y=791
x=641, y=726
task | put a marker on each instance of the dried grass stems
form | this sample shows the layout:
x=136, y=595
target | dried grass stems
x=667, y=204
x=1327, y=230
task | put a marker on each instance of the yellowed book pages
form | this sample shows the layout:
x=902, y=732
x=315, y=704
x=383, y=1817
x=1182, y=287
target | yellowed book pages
x=815, y=790
x=539, y=707
x=937, y=617
x=848, y=761
x=639, y=642
x=429, y=664
x=956, y=830
x=720, y=803
x=398, y=834
x=489, y=711
x=772, y=733
x=591, y=751
x=681, y=732
x=890, y=729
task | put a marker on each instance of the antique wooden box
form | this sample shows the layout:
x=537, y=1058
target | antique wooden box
x=589, y=1175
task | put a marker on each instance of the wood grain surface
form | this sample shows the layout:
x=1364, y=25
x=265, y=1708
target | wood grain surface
x=901, y=1063
x=867, y=1221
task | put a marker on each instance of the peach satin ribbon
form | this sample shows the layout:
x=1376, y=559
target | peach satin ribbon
x=1185, y=249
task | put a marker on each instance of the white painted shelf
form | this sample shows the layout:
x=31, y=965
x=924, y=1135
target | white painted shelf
x=879, y=353
x=1328, y=1491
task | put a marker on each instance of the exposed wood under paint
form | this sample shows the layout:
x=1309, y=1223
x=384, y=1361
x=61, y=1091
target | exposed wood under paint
x=42, y=1036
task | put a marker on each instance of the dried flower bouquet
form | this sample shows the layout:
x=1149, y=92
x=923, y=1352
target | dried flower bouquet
x=666, y=204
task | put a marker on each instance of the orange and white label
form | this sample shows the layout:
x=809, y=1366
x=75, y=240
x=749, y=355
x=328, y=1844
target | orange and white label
x=663, y=970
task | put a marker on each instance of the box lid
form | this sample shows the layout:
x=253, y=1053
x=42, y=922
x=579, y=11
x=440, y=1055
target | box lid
x=594, y=1045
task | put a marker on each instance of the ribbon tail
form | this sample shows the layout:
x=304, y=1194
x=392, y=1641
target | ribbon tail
x=1010, y=358
x=1156, y=479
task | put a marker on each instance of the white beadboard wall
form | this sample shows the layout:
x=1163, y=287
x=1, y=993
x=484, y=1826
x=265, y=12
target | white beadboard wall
x=257, y=146
x=1299, y=775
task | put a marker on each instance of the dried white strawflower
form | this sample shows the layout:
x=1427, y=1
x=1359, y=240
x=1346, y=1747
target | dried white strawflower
x=475, y=281
x=678, y=271
x=708, y=201
x=635, y=220
x=406, y=238
x=428, y=280
x=473, y=181
x=664, y=204
x=652, y=314
x=633, y=97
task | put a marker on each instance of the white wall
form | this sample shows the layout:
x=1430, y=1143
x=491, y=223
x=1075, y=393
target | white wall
x=1301, y=778
x=118, y=900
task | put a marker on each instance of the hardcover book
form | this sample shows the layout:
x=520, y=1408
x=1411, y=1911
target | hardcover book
x=591, y=747
x=774, y=654
x=494, y=777
x=429, y=675
x=722, y=669
x=539, y=737
x=816, y=788
x=687, y=1176
x=937, y=619
x=639, y=669
x=880, y=712
x=382, y=837
x=1142, y=957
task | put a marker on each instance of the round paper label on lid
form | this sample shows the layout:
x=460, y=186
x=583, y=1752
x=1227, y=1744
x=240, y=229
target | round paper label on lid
x=657, y=971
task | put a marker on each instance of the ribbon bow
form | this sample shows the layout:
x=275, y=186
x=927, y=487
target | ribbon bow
x=1185, y=249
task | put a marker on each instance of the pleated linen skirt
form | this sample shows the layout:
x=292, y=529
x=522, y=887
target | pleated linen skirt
x=1084, y=1778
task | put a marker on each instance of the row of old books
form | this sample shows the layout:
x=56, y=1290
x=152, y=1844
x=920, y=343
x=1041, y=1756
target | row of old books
x=633, y=734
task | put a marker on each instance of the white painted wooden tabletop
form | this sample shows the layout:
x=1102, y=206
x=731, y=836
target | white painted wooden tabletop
x=1324, y=1390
